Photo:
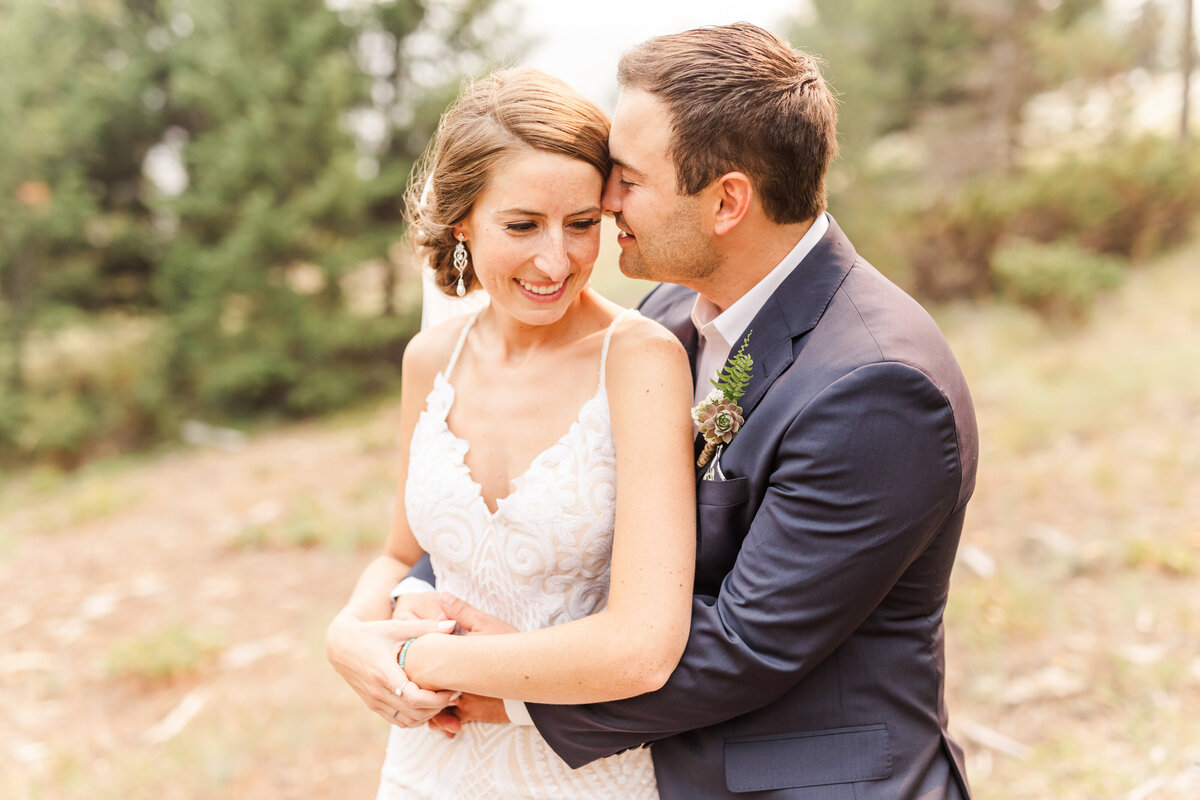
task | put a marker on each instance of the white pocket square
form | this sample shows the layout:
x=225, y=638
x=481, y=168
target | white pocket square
x=714, y=473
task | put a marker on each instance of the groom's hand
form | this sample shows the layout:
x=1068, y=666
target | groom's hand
x=418, y=605
x=468, y=708
x=472, y=620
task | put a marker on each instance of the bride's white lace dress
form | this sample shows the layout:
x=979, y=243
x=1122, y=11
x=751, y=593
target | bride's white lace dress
x=541, y=559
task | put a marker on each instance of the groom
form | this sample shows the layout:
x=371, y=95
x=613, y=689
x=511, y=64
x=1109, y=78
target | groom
x=829, y=524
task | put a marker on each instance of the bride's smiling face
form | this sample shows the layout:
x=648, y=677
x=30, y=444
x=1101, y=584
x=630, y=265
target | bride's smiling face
x=534, y=233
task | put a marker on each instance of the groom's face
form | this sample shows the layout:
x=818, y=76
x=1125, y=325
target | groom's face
x=663, y=235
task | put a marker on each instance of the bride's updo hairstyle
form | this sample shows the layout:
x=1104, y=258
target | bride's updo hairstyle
x=493, y=117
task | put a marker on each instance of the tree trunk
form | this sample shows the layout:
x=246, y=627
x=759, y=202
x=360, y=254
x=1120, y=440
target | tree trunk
x=389, y=288
x=1005, y=99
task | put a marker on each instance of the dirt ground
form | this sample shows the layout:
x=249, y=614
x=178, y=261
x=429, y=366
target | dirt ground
x=161, y=634
x=158, y=554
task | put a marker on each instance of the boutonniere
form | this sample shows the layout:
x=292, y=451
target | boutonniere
x=719, y=415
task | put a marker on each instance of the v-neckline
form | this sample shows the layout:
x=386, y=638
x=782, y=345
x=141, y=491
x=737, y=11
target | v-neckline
x=513, y=483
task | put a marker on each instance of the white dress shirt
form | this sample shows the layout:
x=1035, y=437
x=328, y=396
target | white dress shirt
x=719, y=330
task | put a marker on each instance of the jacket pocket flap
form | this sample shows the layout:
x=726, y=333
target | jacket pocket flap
x=723, y=493
x=816, y=758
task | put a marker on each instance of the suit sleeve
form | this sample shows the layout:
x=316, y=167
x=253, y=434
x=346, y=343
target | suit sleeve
x=862, y=479
x=423, y=569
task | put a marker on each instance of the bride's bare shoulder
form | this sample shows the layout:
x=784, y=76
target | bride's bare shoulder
x=641, y=347
x=430, y=349
x=649, y=381
x=636, y=331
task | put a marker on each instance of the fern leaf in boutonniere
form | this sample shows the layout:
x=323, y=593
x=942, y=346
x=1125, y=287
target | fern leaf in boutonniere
x=718, y=415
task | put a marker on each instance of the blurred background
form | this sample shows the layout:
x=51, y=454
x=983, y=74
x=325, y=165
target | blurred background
x=204, y=296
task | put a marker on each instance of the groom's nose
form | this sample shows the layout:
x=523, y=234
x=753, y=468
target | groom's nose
x=610, y=200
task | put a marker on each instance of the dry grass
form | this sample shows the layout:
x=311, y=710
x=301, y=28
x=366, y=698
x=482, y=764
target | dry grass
x=1081, y=645
x=1073, y=668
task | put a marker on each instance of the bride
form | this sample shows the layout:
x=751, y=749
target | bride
x=546, y=464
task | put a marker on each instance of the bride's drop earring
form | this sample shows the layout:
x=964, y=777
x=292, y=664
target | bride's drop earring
x=460, y=264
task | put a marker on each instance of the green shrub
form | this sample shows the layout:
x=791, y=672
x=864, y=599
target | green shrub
x=1059, y=279
x=309, y=365
x=1132, y=201
x=114, y=385
x=950, y=245
x=77, y=406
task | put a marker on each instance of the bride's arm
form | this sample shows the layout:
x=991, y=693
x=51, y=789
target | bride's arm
x=631, y=646
x=362, y=642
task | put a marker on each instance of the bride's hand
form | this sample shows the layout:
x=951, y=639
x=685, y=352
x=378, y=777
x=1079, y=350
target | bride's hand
x=364, y=654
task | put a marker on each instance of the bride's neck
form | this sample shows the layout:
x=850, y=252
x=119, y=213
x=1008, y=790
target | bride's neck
x=516, y=341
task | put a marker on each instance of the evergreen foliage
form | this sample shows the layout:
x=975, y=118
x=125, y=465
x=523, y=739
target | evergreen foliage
x=957, y=72
x=227, y=175
x=200, y=200
x=734, y=377
x=949, y=174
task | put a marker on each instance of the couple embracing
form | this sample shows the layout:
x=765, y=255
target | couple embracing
x=721, y=525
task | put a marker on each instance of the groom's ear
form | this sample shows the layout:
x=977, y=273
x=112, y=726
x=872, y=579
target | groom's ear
x=732, y=196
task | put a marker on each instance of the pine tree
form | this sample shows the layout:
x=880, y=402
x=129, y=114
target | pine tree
x=230, y=172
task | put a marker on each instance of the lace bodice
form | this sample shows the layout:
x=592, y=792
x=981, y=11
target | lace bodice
x=540, y=559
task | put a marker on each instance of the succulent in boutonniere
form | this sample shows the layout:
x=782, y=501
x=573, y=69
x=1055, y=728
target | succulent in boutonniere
x=719, y=415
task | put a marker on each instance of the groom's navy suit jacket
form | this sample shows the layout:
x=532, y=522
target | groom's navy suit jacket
x=814, y=669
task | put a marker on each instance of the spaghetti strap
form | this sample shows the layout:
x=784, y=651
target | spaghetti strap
x=608, y=338
x=462, y=338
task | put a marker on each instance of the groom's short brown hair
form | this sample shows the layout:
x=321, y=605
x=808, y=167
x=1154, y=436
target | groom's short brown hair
x=742, y=99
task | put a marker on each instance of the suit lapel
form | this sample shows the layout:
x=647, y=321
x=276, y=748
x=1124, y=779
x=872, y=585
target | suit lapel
x=788, y=314
x=793, y=310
